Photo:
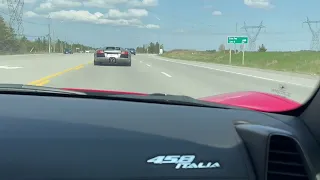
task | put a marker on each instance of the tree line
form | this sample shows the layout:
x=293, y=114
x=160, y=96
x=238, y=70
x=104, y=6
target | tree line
x=151, y=48
x=10, y=43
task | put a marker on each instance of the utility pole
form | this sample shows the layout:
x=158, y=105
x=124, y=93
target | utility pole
x=49, y=35
x=315, y=42
x=235, y=45
x=159, y=45
x=49, y=39
x=54, y=41
x=253, y=38
x=65, y=42
x=236, y=27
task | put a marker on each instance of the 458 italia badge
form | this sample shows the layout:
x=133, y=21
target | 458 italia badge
x=183, y=162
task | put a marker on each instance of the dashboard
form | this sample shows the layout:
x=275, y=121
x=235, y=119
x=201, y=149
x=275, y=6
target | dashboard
x=75, y=138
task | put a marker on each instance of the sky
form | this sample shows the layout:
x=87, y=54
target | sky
x=178, y=24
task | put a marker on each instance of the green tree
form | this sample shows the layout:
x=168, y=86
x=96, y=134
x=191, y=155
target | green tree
x=222, y=48
x=8, y=42
x=24, y=44
x=157, y=47
x=151, y=48
x=11, y=44
x=262, y=48
x=161, y=46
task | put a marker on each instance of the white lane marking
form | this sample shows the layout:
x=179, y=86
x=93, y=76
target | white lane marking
x=148, y=65
x=168, y=75
x=140, y=61
x=26, y=55
x=253, y=76
x=8, y=67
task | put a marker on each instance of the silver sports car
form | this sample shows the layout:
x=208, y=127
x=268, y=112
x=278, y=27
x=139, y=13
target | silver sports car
x=112, y=56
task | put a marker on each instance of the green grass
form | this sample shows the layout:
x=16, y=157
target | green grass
x=306, y=62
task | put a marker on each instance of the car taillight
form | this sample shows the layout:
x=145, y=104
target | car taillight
x=125, y=52
x=100, y=52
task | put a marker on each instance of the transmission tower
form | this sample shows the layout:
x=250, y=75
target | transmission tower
x=15, y=8
x=315, y=42
x=252, y=37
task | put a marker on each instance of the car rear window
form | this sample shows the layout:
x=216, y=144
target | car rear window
x=112, y=48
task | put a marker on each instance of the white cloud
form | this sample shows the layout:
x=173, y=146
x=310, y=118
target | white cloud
x=130, y=13
x=152, y=26
x=30, y=1
x=45, y=6
x=66, y=3
x=179, y=31
x=113, y=3
x=149, y=26
x=25, y=1
x=50, y=5
x=3, y=6
x=208, y=6
x=30, y=14
x=265, y=4
x=217, y=13
x=143, y=3
x=84, y=16
x=95, y=18
x=54, y=4
x=103, y=3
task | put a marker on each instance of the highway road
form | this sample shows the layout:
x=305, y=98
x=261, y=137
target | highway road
x=151, y=74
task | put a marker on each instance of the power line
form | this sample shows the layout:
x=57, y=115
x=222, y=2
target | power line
x=26, y=35
x=15, y=8
x=29, y=22
x=35, y=23
x=253, y=38
x=315, y=42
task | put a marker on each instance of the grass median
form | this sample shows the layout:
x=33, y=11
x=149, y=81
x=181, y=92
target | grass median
x=306, y=62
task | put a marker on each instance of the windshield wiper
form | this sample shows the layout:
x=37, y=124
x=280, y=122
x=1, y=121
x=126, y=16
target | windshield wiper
x=21, y=88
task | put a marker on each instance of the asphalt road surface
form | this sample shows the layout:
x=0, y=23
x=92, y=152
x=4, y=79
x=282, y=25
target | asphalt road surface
x=151, y=74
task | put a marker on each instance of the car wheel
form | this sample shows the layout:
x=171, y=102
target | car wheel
x=95, y=63
x=129, y=63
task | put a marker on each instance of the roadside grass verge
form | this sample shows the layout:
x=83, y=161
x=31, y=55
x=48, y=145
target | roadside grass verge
x=305, y=62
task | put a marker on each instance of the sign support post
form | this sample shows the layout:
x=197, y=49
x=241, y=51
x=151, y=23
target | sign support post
x=238, y=40
x=243, y=46
x=230, y=61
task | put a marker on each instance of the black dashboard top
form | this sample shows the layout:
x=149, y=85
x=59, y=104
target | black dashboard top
x=73, y=138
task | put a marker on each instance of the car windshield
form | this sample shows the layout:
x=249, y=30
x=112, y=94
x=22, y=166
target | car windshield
x=198, y=48
x=113, y=48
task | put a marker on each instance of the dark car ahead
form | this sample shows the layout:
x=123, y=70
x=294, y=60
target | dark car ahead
x=132, y=51
x=67, y=51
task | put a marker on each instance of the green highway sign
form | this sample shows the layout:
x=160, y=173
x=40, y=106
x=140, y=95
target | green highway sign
x=237, y=40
